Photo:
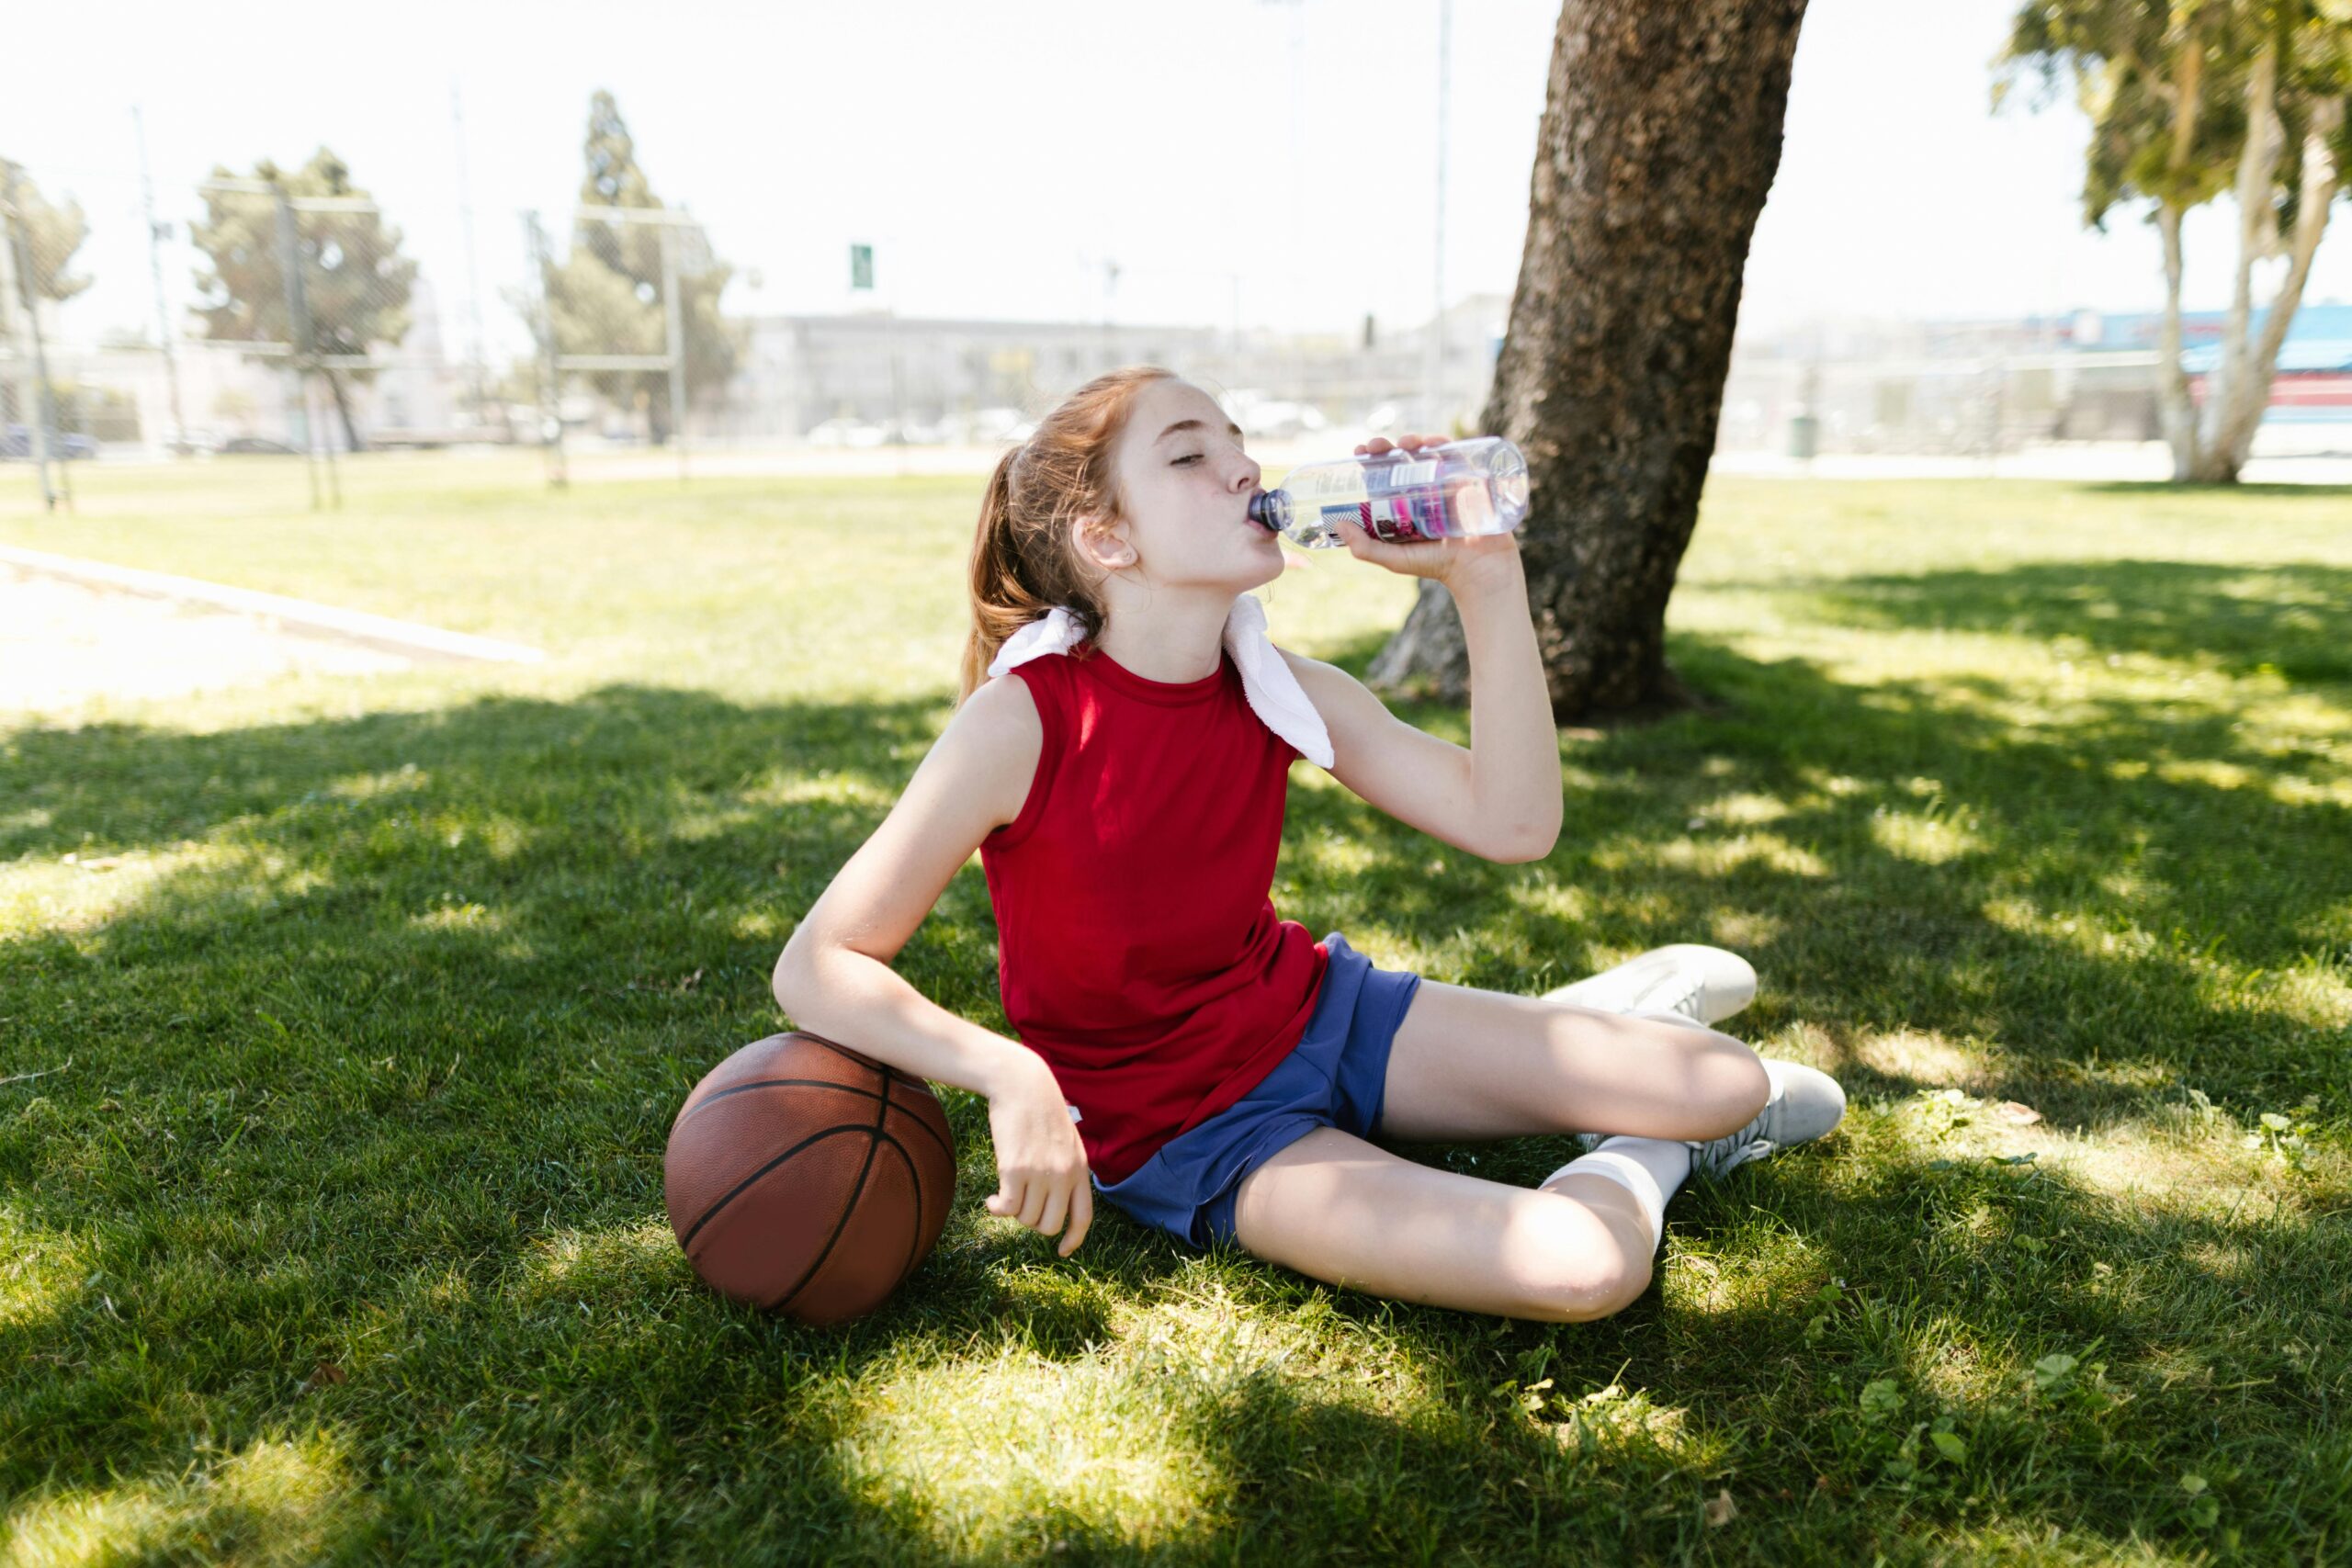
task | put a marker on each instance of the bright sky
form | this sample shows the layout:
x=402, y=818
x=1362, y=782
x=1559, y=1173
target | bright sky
x=997, y=154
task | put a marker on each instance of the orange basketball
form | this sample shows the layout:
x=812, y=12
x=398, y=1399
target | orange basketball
x=806, y=1178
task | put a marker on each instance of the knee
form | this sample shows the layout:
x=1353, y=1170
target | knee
x=1732, y=1083
x=1569, y=1264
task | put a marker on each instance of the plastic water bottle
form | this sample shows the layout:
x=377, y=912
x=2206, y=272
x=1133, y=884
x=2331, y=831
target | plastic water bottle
x=1477, y=486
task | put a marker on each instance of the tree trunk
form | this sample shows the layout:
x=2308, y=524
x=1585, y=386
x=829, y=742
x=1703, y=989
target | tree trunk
x=2233, y=441
x=343, y=407
x=2175, y=411
x=1660, y=137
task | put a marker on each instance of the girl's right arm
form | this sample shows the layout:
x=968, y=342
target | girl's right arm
x=834, y=977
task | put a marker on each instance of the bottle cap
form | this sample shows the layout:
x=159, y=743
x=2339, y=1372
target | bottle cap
x=1270, y=509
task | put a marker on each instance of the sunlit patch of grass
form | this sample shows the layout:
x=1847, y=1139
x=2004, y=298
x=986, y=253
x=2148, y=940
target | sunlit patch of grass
x=1333, y=855
x=991, y=1454
x=74, y=893
x=1742, y=809
x=1559, y=900
x=595, y=1261
x=1710, y=856
x=406, y=779
x=469, y=916
x=1926, y=1057
x=1925, y=839
x=823, y=787
x=1612, y=1426
x=290, y=1502
x=37, y=1268
x=362, y=1128
x=1744, y=930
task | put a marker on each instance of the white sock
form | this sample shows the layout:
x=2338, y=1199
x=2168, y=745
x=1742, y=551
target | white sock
x=1650, y=1169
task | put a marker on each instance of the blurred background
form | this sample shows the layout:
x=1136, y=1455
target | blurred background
x=753, y=240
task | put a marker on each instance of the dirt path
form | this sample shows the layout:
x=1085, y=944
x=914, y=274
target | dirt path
x=62, y=644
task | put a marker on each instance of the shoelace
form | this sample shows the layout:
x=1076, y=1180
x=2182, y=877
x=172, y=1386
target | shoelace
x=1737, y=1149
x=1755, y=1148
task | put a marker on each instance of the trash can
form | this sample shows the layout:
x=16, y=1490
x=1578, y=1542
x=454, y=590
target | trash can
x=1804, y=437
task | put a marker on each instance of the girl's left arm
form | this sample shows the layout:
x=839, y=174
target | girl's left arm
x=1514, y=746
x=1499, y=800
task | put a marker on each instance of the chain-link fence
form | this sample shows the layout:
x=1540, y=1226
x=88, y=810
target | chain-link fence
x=286, y=312
x=285, y=320
x=283, y=312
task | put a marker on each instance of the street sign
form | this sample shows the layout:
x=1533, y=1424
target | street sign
x=861, y=266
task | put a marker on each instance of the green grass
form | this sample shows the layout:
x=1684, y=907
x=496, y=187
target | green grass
x=340, y=1237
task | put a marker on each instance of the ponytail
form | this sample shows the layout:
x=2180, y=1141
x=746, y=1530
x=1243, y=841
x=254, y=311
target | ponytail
x=1024, y=563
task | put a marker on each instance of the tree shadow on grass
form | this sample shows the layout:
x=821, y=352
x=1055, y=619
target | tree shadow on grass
x=371, y=1078
x=375, y=1030
x=2078, y=1351
x=2295, y=619
x=2322, y=496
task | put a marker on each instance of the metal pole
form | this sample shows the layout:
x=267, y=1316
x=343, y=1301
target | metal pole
x=473, y=258
x=1437, y=264
x=155, y=265
x=898, y=400
x=26, y=286
x=297, y=316
x=550, y=387
x=675, y=316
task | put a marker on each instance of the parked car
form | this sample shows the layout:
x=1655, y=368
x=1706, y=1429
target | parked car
x=256, y=447
x=846, y=432
x=1279, y=420
x=17, y=441
x=990, y=427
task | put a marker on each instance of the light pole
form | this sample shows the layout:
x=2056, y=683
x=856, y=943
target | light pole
x=163, y=334
x=1435, y=372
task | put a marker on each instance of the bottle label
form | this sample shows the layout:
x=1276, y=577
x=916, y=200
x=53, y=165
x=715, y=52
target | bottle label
x=1404, y=503
x=1400, y=515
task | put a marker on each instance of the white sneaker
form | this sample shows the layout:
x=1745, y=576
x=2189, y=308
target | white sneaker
x=1805, y=1102
x=1701, y=983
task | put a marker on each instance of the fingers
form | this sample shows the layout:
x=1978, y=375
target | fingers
x=1057, y=1209
x=1379, y=444
x=1081, y=1216
x=1033, y=1203
x=1043, y=1202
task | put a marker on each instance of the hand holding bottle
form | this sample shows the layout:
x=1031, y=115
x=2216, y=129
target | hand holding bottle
x=1443, y=559
x=1444, y=503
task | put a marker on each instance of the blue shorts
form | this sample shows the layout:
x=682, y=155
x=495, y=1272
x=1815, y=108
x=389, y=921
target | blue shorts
x=1335, y=1076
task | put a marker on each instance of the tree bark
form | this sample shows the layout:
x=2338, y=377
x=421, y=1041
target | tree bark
x=2174, y=410
x=1660, y=136
x=2241, y=398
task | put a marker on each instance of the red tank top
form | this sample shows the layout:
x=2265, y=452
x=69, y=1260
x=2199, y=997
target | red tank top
x=1138, y=950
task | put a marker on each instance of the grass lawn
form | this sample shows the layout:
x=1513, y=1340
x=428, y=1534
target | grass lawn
x=334, y=1230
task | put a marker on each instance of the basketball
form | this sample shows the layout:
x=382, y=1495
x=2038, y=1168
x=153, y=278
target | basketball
x=805, y=1179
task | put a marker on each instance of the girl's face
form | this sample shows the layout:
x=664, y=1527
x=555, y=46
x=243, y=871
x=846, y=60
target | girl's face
x=1185, y=485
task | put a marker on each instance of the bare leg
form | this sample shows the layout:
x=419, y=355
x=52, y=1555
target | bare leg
x=1339, y=1210
x=1471, y=1064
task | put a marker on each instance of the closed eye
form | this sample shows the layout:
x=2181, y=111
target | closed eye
x=1182, y=462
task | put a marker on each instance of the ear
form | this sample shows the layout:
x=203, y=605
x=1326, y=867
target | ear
x=1102, y=545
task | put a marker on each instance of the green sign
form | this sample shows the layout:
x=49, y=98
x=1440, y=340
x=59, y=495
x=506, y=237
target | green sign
x=861, y=266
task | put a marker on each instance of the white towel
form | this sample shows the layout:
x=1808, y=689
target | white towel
x=1274, y=693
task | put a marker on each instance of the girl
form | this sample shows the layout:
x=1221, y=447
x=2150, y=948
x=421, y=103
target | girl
x=1115, y=761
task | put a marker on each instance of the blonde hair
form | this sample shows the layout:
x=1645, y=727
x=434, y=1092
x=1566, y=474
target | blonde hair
x=1024, y=561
